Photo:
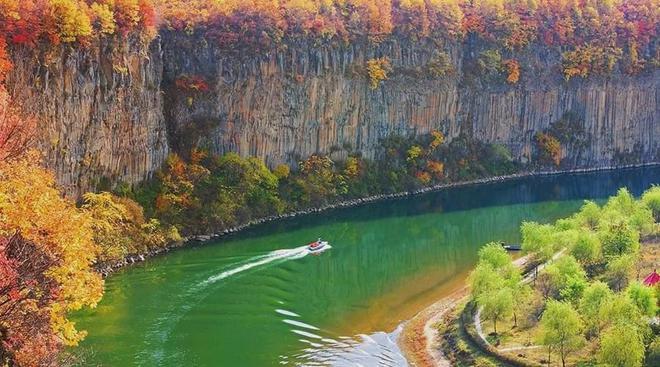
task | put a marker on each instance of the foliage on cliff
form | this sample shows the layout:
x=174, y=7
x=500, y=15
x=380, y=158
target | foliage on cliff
x=593, y=36
x=585, y=298
x=32, y=23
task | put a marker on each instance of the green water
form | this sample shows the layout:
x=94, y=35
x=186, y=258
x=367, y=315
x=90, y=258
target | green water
x=258, y=299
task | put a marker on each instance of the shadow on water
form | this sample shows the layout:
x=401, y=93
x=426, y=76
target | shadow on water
x=561, y=187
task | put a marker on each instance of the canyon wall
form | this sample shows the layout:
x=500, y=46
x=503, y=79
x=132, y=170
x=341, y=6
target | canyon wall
x=99, y=110
x=112, y=114
x=305, y=100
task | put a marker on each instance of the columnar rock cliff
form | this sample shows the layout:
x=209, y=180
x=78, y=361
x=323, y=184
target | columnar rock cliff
x=116, y=115
x=100, y=111
x=303, y=100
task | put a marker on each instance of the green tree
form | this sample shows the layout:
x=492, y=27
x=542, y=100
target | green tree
x=573, y=290
x=250, y=180
x=621, y=346
x=619, y=238
x=589, y=215
x=593, y=298
x=587, y=248
x=494, y=254
x=623, y=205
x=561, y=329
x=620, y=309
x=651, y=198
x=558, y=277
x=497, y=305
x=521, y=292
x=538, y=239
x=484, y=278
x=618, y=271
x=644, y=298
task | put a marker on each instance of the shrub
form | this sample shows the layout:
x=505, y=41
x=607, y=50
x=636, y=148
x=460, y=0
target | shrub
x=651, y=198
x=512, y=70
x=440, y=65
x=549, y=149
x=378, y=70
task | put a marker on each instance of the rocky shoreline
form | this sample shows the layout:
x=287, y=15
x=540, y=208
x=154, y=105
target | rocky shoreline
x=107, y=269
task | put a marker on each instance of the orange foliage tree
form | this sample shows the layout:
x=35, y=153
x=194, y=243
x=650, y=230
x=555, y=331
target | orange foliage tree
x=549, y=148
x=46, y=253
x=16, y=133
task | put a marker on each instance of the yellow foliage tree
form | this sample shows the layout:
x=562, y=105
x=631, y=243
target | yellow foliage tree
x=120, y=228
x=103, y=15
x=72, y=22
x=378, y=70
x=32, y=206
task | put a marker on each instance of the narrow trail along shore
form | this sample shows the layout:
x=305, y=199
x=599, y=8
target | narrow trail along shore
x=419, y=341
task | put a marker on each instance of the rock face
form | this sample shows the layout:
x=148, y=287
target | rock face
x=100, y=111
x=307, y=100
x=112, y=114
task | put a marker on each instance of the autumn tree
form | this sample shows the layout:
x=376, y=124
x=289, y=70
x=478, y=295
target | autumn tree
x=46, y=252
x=549, y=148
x=16, y=131
x=120, y=228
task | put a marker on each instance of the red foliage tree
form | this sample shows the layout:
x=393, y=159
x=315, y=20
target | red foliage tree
x=16, y=132
x=26, y=337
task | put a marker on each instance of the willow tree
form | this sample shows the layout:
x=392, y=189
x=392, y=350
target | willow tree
x=621, y=346
x=561, y=329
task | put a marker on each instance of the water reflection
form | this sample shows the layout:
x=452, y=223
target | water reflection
x=248, y=302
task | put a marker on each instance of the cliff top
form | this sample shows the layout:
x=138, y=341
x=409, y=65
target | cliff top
x=593, y=35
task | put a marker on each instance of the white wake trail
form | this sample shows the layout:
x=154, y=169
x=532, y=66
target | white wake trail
x=277, y=255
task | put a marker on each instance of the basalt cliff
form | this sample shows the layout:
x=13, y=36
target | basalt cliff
x=111, y=114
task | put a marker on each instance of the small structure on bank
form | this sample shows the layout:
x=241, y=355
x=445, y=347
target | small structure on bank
x=652, y=279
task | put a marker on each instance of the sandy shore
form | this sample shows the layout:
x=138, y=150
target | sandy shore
x=419, y=341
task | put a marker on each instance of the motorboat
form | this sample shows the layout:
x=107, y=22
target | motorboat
x=511, y=246
x=317, y=246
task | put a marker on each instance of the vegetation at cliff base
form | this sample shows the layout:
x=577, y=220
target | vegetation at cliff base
x=584, y=305
x=206, y=193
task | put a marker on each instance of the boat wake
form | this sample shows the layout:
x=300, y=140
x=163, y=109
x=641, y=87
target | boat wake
x=273, y=256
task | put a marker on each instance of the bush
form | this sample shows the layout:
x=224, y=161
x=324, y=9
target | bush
x=548, y=148
x=651, y=198
x=378, y=71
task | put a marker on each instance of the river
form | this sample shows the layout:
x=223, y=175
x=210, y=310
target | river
x=260, y=299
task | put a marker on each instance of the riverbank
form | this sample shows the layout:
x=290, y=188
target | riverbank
x=424, y=333
x=420, y=339
x=107, y=269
